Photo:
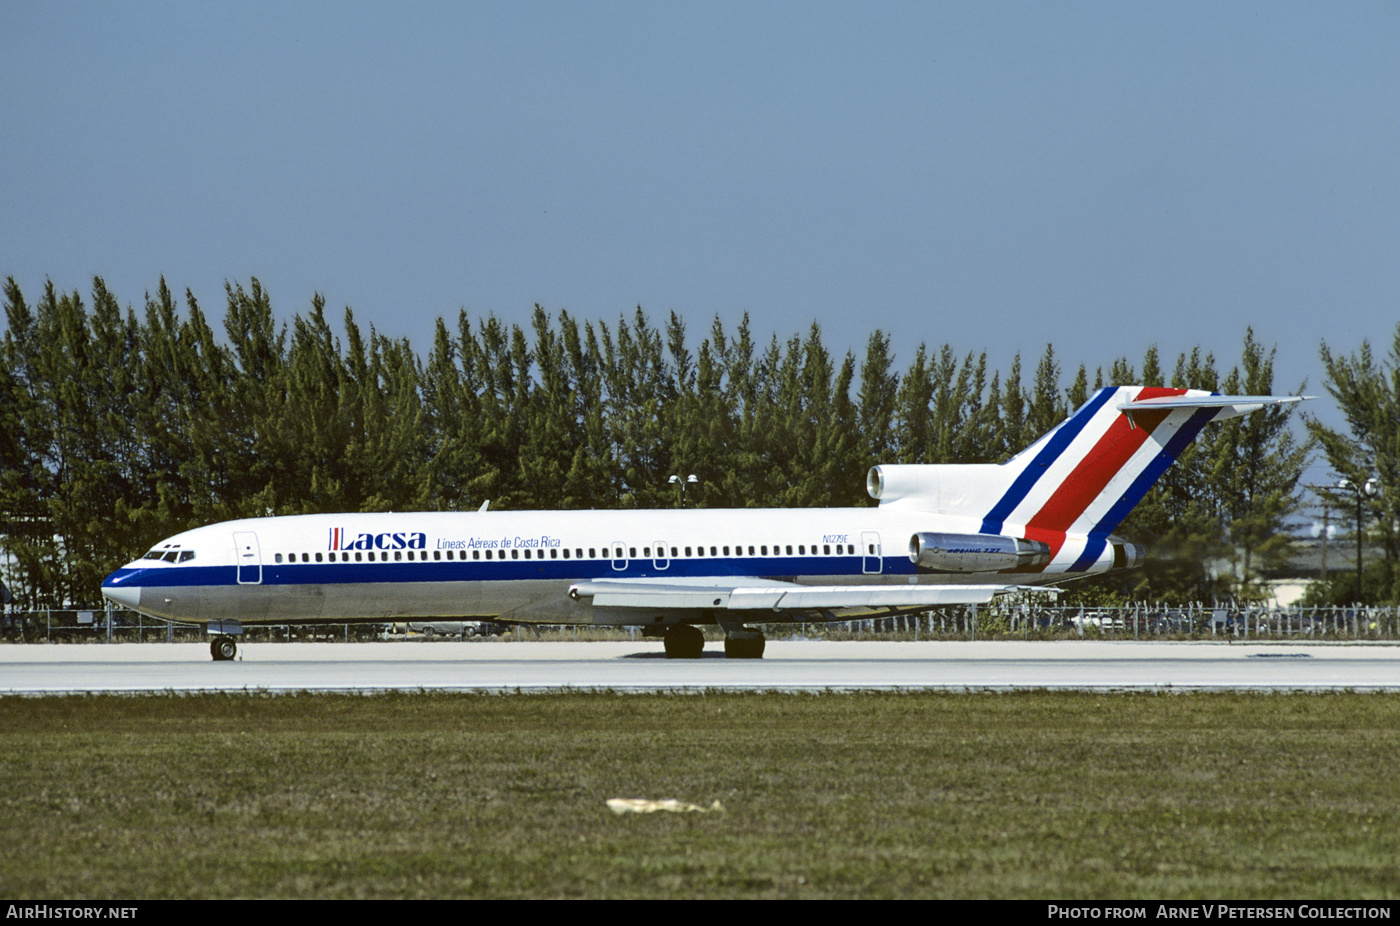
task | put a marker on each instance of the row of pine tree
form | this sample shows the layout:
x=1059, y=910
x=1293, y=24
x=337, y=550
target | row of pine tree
x=119, y=427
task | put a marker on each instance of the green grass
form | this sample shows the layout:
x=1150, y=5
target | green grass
x=1029, y=795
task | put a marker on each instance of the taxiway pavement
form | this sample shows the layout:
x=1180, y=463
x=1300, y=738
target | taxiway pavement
x=498, y=666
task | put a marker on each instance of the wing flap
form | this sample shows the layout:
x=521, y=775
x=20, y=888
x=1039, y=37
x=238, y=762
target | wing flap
x=775, y=596
x=860, y=596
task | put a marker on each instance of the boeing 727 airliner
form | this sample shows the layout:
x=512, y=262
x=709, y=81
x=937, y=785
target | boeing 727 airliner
x=942, y=534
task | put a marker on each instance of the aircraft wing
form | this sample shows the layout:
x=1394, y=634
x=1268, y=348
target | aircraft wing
x=767, y=595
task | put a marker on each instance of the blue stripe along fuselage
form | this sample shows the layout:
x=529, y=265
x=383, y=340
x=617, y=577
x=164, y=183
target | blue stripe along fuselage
x=340, y=573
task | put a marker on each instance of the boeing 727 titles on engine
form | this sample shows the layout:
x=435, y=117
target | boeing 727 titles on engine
x=942, y=534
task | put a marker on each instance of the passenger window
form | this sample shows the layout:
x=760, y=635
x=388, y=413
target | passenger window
x=826, y=550
x=277, y=558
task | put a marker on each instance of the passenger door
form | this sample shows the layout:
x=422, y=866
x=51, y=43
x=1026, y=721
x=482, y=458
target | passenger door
x=248, y=558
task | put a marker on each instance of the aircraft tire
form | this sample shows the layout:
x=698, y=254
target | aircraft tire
x=223, y=649
x=684, y=642
x=745, y=647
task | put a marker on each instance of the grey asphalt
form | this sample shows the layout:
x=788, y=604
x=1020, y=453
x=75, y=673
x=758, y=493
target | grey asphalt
x=499, y=666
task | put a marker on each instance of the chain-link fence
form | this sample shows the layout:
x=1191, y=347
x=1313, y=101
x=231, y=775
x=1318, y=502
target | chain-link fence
x=96, y=625
x=1002, y=620
x=1145, y=621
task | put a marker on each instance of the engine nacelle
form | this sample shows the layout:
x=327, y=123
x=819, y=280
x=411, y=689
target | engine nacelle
x=891, y=482
x=1126, y=555
x=975, y=552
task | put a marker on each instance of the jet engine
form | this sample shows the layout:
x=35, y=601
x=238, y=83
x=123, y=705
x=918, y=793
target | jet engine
x=1126, y=555
x=975, y=552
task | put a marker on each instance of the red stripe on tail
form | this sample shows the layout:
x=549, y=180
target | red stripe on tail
x=1087, y=481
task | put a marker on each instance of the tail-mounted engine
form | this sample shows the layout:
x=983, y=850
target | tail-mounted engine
x=975, y=552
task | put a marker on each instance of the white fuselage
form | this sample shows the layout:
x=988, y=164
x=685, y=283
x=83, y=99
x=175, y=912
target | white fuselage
x=519, y=565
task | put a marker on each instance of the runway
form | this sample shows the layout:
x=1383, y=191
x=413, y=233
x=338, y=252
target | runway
x=793, y=666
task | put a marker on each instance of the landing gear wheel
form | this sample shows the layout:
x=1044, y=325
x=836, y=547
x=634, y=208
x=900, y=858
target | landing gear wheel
x=223, y=648
x=684, y=642
x=745, y=647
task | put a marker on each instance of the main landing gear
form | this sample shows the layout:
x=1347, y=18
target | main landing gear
x=686, y=642
x=745, y=645
x=223, y=648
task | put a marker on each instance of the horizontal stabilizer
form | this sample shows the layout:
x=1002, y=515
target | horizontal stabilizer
x=1213, y=401
x=1235, y=404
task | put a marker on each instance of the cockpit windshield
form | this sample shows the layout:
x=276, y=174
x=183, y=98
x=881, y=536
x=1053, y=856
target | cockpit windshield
x=169, y=555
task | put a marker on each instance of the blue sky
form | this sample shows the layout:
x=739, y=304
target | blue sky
x=996, y=176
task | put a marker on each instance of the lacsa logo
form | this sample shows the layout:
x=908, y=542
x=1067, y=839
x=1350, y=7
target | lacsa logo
x=399, y=540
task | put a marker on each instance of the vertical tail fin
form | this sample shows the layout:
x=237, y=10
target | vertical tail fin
x=1088, y=473
x=1079, y=480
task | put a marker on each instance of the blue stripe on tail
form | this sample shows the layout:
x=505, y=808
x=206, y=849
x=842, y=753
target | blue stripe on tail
x=1059, y=440
x=1098, y=534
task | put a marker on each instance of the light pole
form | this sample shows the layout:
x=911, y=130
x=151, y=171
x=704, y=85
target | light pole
x=684, y=484
x=1362, y=492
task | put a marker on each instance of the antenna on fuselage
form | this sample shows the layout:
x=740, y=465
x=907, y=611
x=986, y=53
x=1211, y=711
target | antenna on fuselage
x=484, y=505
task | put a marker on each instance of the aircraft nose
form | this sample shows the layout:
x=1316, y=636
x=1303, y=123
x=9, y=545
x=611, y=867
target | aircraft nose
x=128, y=596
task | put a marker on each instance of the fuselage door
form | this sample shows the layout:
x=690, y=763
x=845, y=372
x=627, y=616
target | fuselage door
x=661, y=560
x=245, y=547
x=871, y=560
x=618, y=551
